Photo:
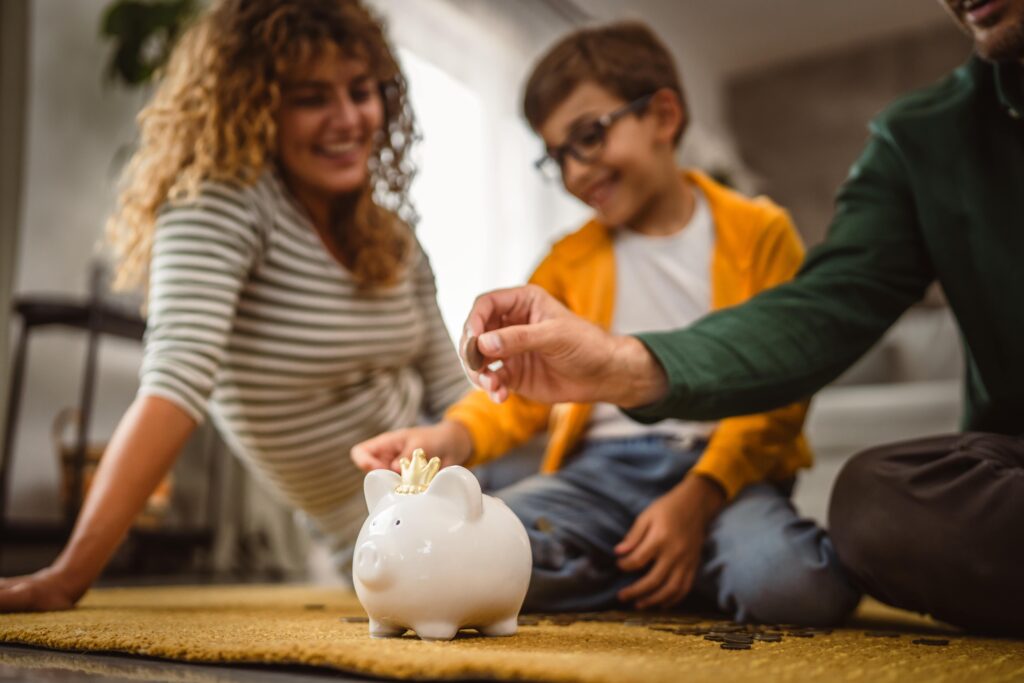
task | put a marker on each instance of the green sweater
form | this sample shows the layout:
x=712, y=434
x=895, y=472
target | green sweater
x=937, y=195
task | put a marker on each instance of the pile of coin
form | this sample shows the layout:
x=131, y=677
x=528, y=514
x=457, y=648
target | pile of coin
x=730, y=635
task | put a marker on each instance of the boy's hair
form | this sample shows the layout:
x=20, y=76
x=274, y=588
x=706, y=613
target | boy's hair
x=626, y=58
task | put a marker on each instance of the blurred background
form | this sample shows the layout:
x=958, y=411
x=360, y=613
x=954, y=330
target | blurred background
x=780, y=95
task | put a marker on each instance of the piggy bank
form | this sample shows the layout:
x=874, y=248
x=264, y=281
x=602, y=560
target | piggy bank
x=436, y=554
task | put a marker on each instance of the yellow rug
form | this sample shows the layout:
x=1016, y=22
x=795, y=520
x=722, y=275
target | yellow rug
x=301, y=625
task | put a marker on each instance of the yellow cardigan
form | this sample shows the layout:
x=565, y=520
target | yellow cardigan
x=756, y=248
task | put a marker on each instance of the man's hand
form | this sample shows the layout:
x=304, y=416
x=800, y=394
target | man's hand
x=551, y=355
x=447, y=440
x=668, y=538
x=43, y=591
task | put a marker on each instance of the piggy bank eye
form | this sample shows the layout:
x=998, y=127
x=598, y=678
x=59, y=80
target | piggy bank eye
x=397, y=522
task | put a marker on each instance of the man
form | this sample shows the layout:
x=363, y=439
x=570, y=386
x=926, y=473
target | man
x=935, y=525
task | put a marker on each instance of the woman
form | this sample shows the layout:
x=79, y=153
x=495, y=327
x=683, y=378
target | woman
x=268, y=202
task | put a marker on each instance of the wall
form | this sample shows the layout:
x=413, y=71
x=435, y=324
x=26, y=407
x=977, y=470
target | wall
x=713, y=42
x=75, y=128
x=800, y=125
x=13, y=73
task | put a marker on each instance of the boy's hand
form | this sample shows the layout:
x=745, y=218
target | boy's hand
x=43, y=591
x=668, y=537
x=447, y=440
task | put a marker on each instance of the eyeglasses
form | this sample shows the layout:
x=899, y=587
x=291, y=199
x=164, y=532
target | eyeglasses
x=586, y=142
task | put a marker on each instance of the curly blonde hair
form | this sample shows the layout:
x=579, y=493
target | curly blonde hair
x=212, y=119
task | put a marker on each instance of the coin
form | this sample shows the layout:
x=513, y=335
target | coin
x=768, y=637
x=610, y=617
x=931, y=641
x=471, y=353
x=728, y=627
x=680, y=619
x=354, y=620
x=314, y=606
x=735, y=646
x=690, y=631
x=800, y=634
x=738, y=638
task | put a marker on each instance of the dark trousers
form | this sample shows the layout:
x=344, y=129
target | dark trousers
x=936, y=526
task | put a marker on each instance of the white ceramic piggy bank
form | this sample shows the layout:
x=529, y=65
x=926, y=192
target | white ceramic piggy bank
x=436, y=555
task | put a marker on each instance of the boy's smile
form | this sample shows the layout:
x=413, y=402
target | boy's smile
x=613, y=182
x=600, y=191
x=631, y=178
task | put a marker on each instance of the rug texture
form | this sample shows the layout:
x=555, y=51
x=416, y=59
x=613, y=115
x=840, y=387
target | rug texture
x=322, y=627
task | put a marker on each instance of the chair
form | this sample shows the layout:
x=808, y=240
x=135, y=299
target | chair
x=98, y=315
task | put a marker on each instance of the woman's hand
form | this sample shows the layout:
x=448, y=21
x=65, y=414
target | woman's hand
x=46, y=590
x=447, y=440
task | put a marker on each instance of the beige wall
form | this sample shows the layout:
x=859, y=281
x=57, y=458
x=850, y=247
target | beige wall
x=13, y=53
x=800, y=125
x=75, y=125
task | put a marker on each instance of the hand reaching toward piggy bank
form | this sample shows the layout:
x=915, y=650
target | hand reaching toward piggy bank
x=436, y=554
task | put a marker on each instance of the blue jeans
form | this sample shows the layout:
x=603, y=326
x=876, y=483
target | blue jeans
x=760, y=562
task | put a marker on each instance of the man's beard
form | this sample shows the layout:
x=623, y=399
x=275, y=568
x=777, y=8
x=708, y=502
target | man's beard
x=1008, y=46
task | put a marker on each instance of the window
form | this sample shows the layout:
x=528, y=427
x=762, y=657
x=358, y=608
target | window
x=486, y=216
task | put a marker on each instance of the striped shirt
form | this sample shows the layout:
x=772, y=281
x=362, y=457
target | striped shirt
x=252, y=321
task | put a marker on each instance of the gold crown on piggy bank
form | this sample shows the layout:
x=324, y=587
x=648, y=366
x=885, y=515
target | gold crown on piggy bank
x=417, y=473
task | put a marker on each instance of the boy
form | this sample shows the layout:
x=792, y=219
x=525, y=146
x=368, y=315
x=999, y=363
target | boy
x=636, y=513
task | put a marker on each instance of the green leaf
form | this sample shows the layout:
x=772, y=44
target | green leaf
x=132, y=25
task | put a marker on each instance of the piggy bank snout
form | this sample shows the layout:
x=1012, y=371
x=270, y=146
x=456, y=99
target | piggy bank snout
x=369, y=565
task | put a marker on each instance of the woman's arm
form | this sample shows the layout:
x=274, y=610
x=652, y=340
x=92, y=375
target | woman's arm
x=143, y=449
x=203, y=250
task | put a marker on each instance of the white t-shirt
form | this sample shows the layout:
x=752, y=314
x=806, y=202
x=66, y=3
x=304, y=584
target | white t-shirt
x=661, y=283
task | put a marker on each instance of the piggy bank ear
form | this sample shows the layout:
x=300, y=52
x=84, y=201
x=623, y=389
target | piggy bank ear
x=378, y=484
x=459, y=486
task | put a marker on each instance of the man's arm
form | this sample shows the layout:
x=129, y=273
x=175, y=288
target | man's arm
x=788, y=342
